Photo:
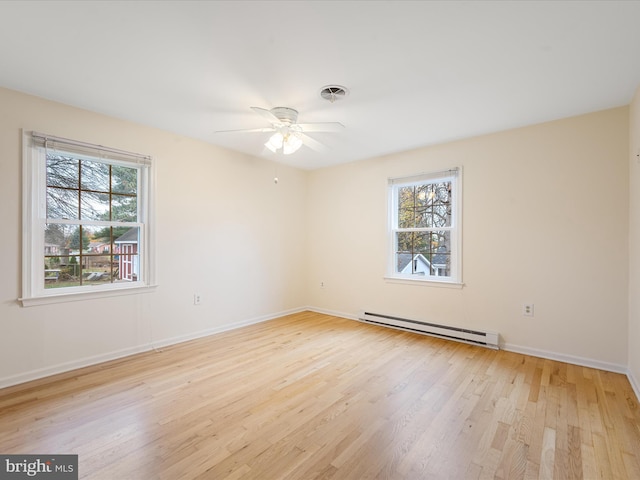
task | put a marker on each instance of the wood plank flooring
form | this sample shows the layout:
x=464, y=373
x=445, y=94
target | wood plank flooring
x=311, y=396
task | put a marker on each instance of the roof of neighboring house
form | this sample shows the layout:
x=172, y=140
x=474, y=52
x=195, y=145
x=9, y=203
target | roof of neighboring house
x=438, y=259
x=130, y=236
x=442, y=257
x=405, y=258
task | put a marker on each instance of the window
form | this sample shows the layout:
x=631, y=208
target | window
x=425, y=227
x=86, y=219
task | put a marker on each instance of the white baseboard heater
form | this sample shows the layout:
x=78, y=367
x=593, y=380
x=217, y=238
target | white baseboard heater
x=473, y=337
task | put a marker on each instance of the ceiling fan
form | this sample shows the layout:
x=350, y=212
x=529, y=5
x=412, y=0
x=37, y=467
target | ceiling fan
x=288, y=135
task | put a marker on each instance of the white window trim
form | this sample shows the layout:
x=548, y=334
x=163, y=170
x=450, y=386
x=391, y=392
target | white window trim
x=33, y=225
x=453, y=281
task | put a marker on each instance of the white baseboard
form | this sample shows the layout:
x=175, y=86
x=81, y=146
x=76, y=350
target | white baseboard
x=561, y=357
x=333, y=313
x=223, y=328
x=96, y=359
x=68, y=366
x=634, y=384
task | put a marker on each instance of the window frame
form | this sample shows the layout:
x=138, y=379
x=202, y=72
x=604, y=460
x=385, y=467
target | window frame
x=393, y=186
x=34, y=219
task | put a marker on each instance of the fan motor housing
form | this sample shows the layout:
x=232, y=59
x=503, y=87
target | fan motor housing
x=285, y=114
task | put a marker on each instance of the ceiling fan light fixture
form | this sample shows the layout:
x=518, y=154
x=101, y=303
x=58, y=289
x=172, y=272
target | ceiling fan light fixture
x=291, y=144
x=288, y=143
x=286, y=134
x=275, y=142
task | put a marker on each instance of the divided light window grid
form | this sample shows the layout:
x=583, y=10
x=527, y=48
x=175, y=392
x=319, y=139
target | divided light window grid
x=87, y=207
x=91, y=211
x=425, y=227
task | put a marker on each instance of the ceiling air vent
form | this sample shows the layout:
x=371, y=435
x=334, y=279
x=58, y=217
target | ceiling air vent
x=333, y=92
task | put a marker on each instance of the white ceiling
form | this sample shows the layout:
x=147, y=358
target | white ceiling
x=419, y=73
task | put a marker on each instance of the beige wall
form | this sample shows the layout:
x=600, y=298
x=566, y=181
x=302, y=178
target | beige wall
x=634, y=242
x=546, y=216
x=224, y=230
x=545, y=221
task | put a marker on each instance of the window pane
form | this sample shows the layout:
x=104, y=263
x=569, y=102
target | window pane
x=79, y=241
x=406, y=218
x=439, y=253
x=62, y=203
x=89, y=255
x=62, y=271
x=406, y=197
x=98, y=265
x=124, y=208
x=99, y=240
x=60, y=260
x=96, y=269
x=127, y=255
x=422, y=243
x=62, y=171
x=405, y=242
x=95, y=176
x=423, y=253
x=124, y=179
x=52, y=270
x=128, y=268
x=57, y=239
x=94, y=206
x=56, y=248
x=406, y=207
x=433, y=205
x=78, y=255
x=424, y=206
x=56, y=251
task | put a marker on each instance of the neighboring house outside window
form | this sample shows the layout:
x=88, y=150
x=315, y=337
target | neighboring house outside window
x=79, y=200
x=127, y=250
x=425, y=230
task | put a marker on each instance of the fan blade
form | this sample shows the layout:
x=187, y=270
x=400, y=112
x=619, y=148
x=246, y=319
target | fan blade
x=270, y=117
x=251, y=130
x=321, y=127
x=311, y=143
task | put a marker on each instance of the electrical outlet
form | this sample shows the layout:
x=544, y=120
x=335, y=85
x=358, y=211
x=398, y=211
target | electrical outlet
x=321, y=284
x=527, y=309
x=196, y=299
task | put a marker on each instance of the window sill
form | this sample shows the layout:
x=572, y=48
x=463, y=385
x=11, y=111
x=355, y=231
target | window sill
x=423, y=282
x=89, y=295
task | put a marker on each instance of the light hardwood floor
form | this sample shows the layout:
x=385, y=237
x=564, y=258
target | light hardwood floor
x=310, y=396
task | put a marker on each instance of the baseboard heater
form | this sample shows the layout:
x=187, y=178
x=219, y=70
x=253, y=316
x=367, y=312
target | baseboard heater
x=473, y=337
